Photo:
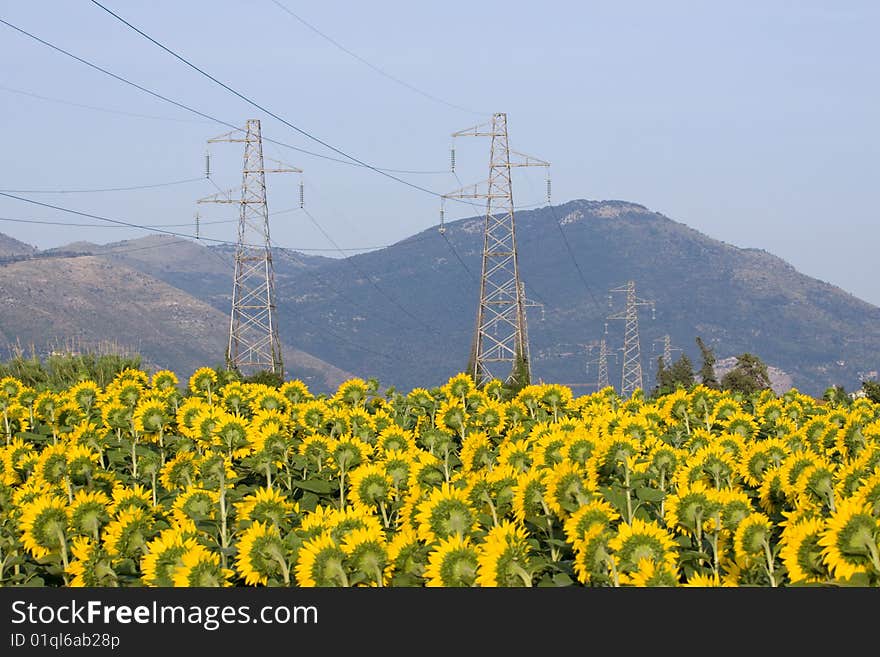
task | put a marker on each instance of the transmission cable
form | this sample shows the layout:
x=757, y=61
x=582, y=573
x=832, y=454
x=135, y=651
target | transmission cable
x=374, y=67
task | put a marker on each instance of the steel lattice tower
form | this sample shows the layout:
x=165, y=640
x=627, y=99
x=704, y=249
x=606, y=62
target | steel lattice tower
x=601, y=362
x=602, y=380
x=499, y=349
x=253, y=344
x=631, y=377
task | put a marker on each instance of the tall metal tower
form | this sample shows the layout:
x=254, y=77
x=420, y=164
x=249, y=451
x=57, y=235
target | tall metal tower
x=602, y=365
x=667, y=349
x=499, y=349
x=631, y=377
x=253, y=330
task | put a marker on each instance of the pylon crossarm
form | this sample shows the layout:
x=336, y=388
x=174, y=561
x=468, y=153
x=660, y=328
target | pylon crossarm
x=527, y=160
x=220, y=197
x=486, y=129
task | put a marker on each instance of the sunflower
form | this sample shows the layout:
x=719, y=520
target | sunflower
x=127, y=534
x=44, y=524
x=598, y=512
x=321, y=562
x=568, y=488
x=269, y=506
x=261, y=555
x=295, y=391
x=791, y=469
x=477, y=452
x=548, y=450
x=452, y=563
x=651, y=573
x=316, y=522
x=164, y=554
x=195, y=503
x=88, y=512
x=316, y=449
x=579, y=446
x=370, y=485
x=180, y=472
x=352, y=392
x=85, y=394
x=459, y=387
x=452, y=418
x=504, y=557
x=851, y=541
x=51, y=465
x=151, y=417
x=704, y=580
x=312, y=415
x=713, y=465
x=735, y=505
x=759, y=457
x=689, y=507
x=234, y=398
x=91, y=565
x=398, y=466
x=341, y=522
x=771, y=497
x=444, y=513
x=517, y=454
x=869, y=493
x=816, y=484
x=130, y=497
x=163, y=380
x=741, y=423
x=407, y=558
x=529, y=497
x=231, y=433
x=427, y=470
x=515, y=413
x=203, y=382
x=367, y=553
x=801, y=553
x=591, y=556
x=348, y=452
x=753, y=535
x=642, y=540
x=200, y=567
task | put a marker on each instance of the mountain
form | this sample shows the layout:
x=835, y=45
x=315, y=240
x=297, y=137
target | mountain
x=9, y=247
x=88, y=302
x=405, y=314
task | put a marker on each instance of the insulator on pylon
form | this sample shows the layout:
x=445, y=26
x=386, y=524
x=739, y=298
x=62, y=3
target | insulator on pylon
x=197, y=225
x=452, y=160
x=442, y=228
x=548, y=191
x=207, y=164
x=302, y=194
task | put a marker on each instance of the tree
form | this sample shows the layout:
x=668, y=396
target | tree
x=747, y=376
x=872, y=390
x=837, y=396
x=707, y=369
x=679, y=375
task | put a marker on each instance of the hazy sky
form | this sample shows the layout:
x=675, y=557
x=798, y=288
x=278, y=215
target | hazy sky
x=754, y=122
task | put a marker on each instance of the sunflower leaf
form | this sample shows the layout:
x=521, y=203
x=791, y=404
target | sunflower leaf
x=650, y=494
x=316, y=486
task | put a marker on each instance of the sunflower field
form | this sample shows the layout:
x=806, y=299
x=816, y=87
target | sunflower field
x=147, y=482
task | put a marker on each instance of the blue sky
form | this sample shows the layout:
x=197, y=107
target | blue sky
x=753, y=122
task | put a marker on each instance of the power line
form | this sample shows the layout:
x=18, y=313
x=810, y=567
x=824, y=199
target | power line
x=96, y=108
x=374, y=67
x=366, y=276
x=187, y=108
x=106, y=189
x=263, y=109
x=571, y=255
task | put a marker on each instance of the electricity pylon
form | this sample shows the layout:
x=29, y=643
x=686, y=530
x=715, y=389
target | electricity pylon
x=500, y=344
x=667, y=349
x=601, y=363
x=631, y=376
x=253, y=344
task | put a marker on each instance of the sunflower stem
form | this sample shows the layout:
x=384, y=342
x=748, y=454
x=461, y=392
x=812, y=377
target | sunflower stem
x=63, y=542
x=769, y=556
x=385, y=520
